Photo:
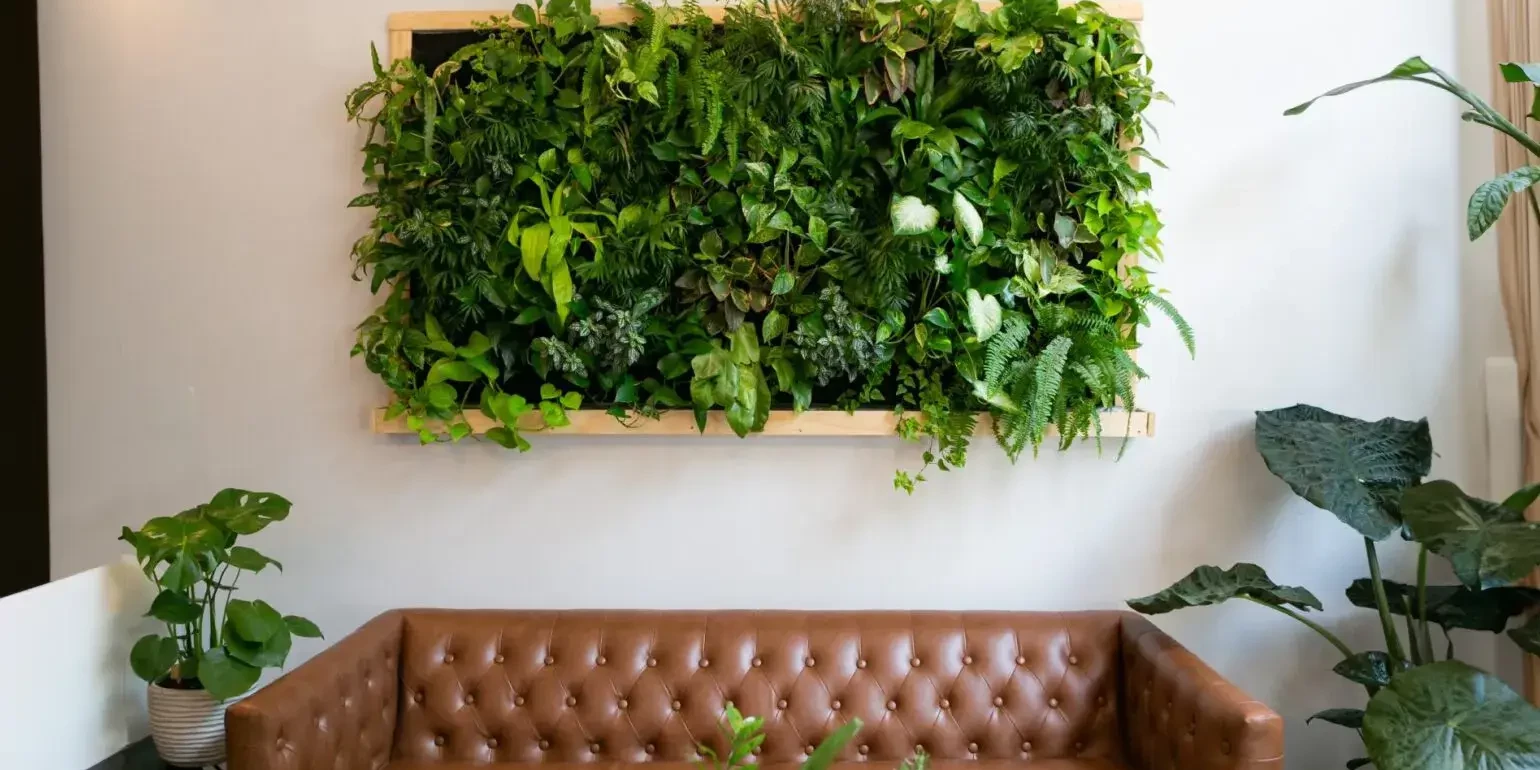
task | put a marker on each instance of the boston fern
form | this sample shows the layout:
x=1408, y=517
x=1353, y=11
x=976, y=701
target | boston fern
x=913, y=205
x=1424, y=709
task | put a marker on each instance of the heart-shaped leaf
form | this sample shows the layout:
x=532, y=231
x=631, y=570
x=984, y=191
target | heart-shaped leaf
x=1372, y=668
x=225, y=677
x=1451, y=716
x=912, y=216
x=968, y=219
x=1486, y=544
x=152, y=657
x=984, y=314
x=1211, y=585
x=1352, y=468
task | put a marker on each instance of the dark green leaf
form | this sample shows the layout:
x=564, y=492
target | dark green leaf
x=1367, y=668
x=152, y=657
x=1452, y=606
x=1353, y=718
x=1491, y=197
x=271, y=653
x=1450, y=715
x=1514, y=72
x=225, y=677
x=784, y=282
x=253, y=621
x=174, y=607
x=1486, y=544
x=1349, y=467
x=1212, y=585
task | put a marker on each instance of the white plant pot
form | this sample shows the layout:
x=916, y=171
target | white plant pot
x=188, y=726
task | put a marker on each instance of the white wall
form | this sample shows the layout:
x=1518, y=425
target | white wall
x=71, y=699
x=199, y=313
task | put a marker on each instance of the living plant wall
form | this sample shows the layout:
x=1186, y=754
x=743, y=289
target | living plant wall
x=822, y=204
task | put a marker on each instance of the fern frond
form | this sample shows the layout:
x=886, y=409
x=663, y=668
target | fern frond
x=1182, y=327
x=1047, y=379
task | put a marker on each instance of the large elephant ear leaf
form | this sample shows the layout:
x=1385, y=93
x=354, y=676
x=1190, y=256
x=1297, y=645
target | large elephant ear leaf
x=1352, y=468
x=1212, y=585
x=1487, y=544
x=1450, y=715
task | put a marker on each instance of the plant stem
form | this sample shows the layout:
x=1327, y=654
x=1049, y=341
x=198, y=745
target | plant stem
x=1424, y=637
x=1392, y=640
x=1347, y=652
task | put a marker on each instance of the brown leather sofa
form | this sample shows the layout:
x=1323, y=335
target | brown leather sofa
x=460, y=689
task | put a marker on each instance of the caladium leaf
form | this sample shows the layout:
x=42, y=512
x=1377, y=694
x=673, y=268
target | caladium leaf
x=1450, y=715
x=984, y=314
x=1487, y=544
x=1211, y=585
x=968, y=219
x=912, y=216
x=1352, y=468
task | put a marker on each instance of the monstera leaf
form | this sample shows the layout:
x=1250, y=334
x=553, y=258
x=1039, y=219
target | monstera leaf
x=1452, y=606
x=1212, y=585
x=1452, y=717
x=1353, y=468
x=1487, y=544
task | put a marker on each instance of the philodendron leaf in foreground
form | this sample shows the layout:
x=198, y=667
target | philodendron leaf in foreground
x=1451, y=716
x=1452, y=606
x=1349, y=467
x=1212, y=585
x=1488, y=545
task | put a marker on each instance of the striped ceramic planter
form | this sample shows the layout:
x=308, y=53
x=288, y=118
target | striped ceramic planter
x=188, y=726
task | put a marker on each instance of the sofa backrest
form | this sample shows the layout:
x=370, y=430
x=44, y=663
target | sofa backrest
x=634, y=686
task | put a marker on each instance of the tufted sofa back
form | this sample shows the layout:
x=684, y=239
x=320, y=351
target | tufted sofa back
x=590, y=686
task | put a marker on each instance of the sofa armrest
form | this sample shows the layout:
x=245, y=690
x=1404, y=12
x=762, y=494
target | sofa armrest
x=336, y=710
x=1179, y=714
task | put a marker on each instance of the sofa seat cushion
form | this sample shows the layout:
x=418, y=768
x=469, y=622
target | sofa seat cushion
x=935, y=764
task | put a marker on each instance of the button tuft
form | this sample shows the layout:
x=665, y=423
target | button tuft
x=914, y=662
x=757, y=662
x=861, y=663
x=652, y=662
x=491, y=743
x=650, y=749
x=946, y=704
x=571, y=701
x=449, y=657
x=593, y=748
x=810, y=662
x=808, y=749
x=864, y=749
x=892, y=705
x=999, y=701
x=1074, y=661
x=678, y=705
x=781, y=704
x=835, y=705
x=544, y=744
x=498, y=658
x=973, y=748
x=1026, y=745
x=599, y=661
x=967, y=660
x=470, y=700
x=1053, y=703
x=518, y=700
x=550, y=661
x=1021, y=660
x=623, y=703
x=417, y=696
x=704, y=663
x=439, y=740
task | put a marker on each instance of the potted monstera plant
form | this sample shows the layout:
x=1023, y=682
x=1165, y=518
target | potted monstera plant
x=215, y=645
x=1423, y=708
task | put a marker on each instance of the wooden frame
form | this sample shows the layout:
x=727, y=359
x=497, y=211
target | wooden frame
x=783, y=422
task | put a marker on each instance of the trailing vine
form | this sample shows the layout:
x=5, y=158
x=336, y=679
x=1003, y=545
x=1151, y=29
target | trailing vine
x=915, y=205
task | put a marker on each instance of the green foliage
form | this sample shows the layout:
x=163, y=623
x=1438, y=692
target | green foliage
x=1491, y=197
x=605, y=210
x=194, y=562
x=743, y=735
x=1422, y=711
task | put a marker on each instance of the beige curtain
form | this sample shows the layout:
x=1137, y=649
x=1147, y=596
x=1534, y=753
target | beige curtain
x=1516, y=37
